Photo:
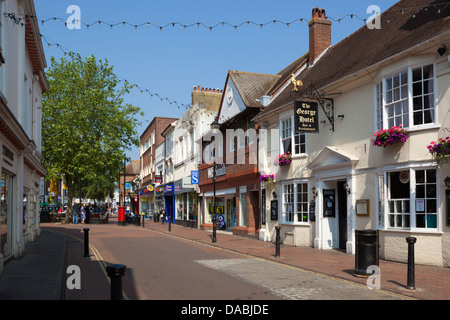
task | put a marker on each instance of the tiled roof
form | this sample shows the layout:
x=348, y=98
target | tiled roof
x=252, y=86
x=367, y=47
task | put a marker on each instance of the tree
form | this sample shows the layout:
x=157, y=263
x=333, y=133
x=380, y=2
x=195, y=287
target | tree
x=86, y=126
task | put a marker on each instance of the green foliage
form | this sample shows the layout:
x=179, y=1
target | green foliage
x=86, y=126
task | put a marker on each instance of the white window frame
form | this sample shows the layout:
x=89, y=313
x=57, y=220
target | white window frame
x=383, y=208
x=293, y=137
x=292, y=217
x=381, y=120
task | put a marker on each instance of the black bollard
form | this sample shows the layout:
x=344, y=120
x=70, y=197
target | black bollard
x=115, y=272
x=277, y=242
x=86, y=242
x=170, y=223
x=143, y=221
x=214, y=236
x=411, y=279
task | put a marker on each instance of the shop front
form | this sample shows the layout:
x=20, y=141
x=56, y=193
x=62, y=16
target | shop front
x=158, y=202
x=225, y=208
x=147, y=203
x=169, y=202
x=186, y=213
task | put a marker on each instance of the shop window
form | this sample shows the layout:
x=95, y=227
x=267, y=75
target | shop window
x=411, y=199
x=243, y=211
x=295, y=203
x=6, y=209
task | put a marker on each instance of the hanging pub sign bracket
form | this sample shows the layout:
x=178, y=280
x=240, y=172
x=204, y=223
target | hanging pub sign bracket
x=312, y=94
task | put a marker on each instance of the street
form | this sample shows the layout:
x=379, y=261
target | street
x=163, y=266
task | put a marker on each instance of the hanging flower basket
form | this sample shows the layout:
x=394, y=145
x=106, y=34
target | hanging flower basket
x=267, y=179
x=386, y=137
x=440, y=150
x=284, y=159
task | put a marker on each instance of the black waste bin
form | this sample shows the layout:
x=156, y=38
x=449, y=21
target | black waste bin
x=367, y=251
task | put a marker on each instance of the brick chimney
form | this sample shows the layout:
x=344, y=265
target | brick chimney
x=319, y=34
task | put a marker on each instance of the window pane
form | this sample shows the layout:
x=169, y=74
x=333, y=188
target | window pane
x=428, y=72
x=417, y=74
x=417, y=89
x=420, y=191
x=287, y=145
x=431, y=221
x=418, y=117
x=428, y=86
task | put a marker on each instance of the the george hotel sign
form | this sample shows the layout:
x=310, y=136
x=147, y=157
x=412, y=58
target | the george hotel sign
x=306, y=117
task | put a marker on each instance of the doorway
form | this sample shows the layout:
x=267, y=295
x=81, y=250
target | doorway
x=342, y=214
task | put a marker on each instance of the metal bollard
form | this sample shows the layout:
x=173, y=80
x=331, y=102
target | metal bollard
x=170, y=223
x=86, y=242
x=116, y=272
x=277, y=242
x=411, y=279
x=143, y=221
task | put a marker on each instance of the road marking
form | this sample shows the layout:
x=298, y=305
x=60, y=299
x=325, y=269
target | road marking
x=97, y=255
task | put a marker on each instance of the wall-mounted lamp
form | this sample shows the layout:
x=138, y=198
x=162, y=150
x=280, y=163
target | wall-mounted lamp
x=447, y=182
x=274, y=194
x=442, y=50
x=314, y=191
x=347, y=188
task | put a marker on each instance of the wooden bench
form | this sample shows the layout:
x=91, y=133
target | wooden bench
x=100, y=219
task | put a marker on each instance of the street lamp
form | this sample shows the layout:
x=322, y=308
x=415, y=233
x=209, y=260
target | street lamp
x=447, y=182
x=214, y=127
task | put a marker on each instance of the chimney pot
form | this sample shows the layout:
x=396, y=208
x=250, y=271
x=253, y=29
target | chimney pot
x=319, y=34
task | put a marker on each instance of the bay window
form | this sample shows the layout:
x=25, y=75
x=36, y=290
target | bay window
x=408, y=199
x=406, y=98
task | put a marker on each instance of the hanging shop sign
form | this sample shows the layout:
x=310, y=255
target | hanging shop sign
x=306, y=117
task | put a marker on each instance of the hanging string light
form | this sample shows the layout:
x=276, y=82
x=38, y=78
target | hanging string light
x=413, y=11
x=51, y=43
x=439, y=8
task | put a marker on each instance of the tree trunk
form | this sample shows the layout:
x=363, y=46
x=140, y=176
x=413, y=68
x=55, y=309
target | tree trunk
x=69, y=181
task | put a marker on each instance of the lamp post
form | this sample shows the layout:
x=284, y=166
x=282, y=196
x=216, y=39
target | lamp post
x=215, y=127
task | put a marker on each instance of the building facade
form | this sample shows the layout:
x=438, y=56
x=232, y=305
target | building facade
x=22, y=83
x=340, y=179
x=229, y=170
x=150, y=139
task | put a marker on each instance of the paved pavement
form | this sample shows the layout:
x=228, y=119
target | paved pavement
x=299, y=273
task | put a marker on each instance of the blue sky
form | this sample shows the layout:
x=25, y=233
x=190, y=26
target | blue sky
x=173, y=60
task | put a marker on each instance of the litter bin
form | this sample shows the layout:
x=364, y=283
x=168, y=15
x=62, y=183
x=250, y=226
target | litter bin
x=367, y=251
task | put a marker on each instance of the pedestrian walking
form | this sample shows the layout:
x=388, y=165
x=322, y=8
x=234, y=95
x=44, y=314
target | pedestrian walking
x=83, y=214
x=75, y=215
x=163, y=214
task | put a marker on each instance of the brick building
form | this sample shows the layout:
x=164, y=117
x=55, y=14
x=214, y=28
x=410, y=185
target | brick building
x=150, y=139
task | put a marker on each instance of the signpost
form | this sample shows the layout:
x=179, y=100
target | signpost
x=194, y=177
x=306, y=118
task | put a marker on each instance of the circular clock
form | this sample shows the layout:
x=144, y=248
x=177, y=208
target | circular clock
x=229, y=95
